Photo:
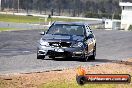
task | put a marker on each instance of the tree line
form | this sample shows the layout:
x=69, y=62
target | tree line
x=87, y=8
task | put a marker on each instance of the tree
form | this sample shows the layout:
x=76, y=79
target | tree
x=73, y=7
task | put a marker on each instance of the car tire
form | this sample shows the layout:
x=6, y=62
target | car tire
x=52, y=57
x=86, y=58
x=92, y=57
x=40, y=57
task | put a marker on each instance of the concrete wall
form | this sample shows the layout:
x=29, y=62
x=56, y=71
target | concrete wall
x=126, y=19
x=126, y=15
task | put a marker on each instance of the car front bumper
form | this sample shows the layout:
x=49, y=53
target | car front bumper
x=61, y=52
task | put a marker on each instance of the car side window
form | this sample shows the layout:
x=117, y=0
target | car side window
x=88, y=31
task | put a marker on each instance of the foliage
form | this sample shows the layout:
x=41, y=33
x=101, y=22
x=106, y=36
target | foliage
x=71, y=7
x=130, y=28
x=102, y=15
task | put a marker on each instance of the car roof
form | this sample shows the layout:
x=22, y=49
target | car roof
x=70, y=23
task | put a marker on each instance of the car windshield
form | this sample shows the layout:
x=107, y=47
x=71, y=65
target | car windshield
x=66, y=29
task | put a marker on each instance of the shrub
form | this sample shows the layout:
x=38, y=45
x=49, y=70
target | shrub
x=101, y=15
x=130, y=28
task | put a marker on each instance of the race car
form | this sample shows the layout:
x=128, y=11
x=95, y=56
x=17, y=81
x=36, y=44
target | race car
x=68, y=39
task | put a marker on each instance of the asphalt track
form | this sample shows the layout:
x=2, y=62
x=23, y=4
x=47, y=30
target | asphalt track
x=18, y=51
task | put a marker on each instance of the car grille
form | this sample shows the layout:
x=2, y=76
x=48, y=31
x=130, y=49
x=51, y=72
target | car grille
x=60, y=44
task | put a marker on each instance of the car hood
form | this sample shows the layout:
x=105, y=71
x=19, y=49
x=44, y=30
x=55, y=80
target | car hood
x=62, y=37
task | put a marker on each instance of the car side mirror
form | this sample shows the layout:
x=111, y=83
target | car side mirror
x=42, y=33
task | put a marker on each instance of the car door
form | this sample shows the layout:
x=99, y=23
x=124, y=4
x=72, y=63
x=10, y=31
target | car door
x=90, y=39
x=90, y=43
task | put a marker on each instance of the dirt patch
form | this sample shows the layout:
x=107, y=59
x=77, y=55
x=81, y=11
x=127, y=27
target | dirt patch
x=32, y=80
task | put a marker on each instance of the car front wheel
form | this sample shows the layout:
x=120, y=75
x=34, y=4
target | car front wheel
x=92, y=57
x=40, y=57
x=52, y=57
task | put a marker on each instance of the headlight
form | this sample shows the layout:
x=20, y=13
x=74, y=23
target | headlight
x=43, y=43
x=78, y=44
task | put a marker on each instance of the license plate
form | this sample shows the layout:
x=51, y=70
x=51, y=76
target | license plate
x=59, y=50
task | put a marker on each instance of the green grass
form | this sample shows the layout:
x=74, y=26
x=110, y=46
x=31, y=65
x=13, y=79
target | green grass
x=6, y=29
x=15, y=29
x=73, y=84
x=11, y=29
x=18, y=19
x=29, y=19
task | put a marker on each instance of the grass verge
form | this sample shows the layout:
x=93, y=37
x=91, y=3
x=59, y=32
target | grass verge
x=30, y=19
x=18, y=19
x=7, y=29
x=73, y=84
x=11, y=29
